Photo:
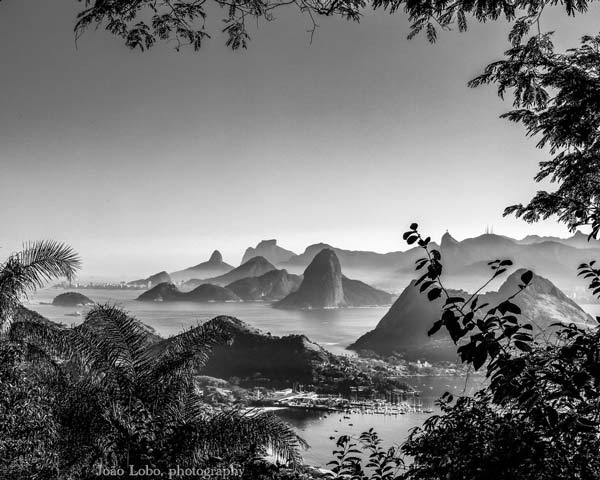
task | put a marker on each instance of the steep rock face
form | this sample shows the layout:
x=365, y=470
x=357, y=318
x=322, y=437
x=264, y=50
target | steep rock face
x=404, y=327
x=255, y=267
x=167, y=292
x=359, y=294
x=153, y=280
x=253, y=354
x=269, y=250
x=271, y=286
x=324, y=286
x=71, y=299
x=215, y=266
x=321, y=286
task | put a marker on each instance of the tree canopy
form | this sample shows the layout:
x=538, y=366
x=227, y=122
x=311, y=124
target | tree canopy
x=141, y=23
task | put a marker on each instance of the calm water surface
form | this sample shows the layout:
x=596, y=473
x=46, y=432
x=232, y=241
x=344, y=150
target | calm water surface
x=317, y=428
x=334, y=329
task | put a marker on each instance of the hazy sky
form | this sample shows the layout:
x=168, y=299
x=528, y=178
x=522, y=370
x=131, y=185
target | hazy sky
x=149, y=161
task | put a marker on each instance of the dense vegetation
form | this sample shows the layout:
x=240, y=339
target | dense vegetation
x=103, y=395
x=106, y=396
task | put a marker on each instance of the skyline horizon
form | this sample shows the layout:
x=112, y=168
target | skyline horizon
x=158, y=158
x=165, y=260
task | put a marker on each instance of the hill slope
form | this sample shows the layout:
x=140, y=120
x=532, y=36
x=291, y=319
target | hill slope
x=167, y=292
x=255, y=267
x=273, y=285
x=404, y=327
x=281, y=360
x=152, y=280
x=213, y=267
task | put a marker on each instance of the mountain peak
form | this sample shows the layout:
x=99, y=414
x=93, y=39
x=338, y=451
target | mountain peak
x=216, y=257
x=448, y=239
x=267, y=243
x=269, y=250
x=321, y=286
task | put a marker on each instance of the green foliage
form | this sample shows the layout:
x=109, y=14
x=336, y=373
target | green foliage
x=557, y=99
x=142, y=23
x=365, y=459
x=28, y=431
x=484, y=333
x=29, y=269
x=109, y=392
x=538, y=418
x=130, y=399
x=473, y=439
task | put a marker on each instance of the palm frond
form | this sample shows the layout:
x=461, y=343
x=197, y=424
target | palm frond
x=185, y=352
x=32, y=329
x=27, y=270
x=110, y=342
x=238, y=432
x=45, y=260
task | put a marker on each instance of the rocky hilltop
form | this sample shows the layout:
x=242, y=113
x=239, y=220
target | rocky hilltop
x=254, y=354
x=269, y=250
x=324, y=286
x=404, y=327
x=321, y=286
x=215, y=266
x=167, y=292
x=271, y=286
x=255, y=267
x=71, y=299
x=152, y=280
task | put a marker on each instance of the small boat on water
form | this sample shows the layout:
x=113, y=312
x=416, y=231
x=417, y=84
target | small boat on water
x=74, y=314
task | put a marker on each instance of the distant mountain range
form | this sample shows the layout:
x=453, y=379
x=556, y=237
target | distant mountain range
x=465, y=263
x=324, y=286
x=254, y=267
x=578, y=240
x=404, y=328
x=214, y=267
x=269, y=250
